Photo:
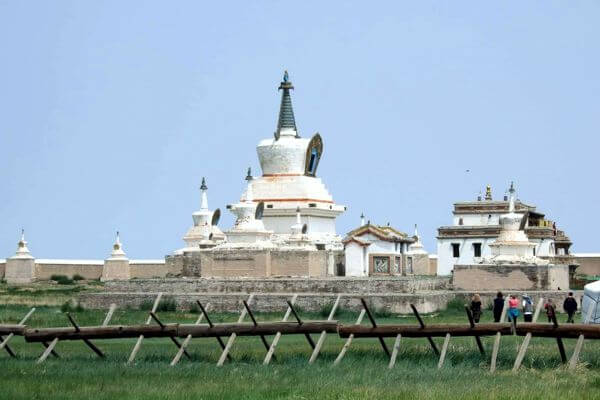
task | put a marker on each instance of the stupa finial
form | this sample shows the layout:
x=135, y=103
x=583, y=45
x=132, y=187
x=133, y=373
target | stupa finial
x=488, y=192
x=203, y=185
x=416, y=231
x=286, y=124
x=249, y=174
x=511, y=198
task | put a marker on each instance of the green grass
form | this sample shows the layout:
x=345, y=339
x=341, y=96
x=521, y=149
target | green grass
x=363, y=374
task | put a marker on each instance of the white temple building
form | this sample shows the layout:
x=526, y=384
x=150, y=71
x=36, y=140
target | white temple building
x=476, y=225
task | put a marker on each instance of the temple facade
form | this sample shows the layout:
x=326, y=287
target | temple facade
x=476, y=225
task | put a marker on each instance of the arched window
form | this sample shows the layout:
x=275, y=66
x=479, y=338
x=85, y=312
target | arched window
x=313, y=155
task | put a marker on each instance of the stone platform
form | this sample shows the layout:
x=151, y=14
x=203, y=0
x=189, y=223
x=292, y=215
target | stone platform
x=429, y=294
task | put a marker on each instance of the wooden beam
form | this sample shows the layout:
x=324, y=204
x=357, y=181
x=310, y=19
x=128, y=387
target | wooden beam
x=497, y=339
x=559, y=342
x=264, y=329
x=109, y=314
x=275, y=341
x=444, y=349
x=422, y=324
x=321, y=340
x=186, y=341
x=416, y=331
x=19, y=329
x=172, y=337
x=49, y=349
x=525, y=344
x=300, y=323
x=374, y=325
x=579, y=344
x=232, y=337
x=349, y=340
x=262, y=337
x=138, y=344
x=85, y=340
x=395, y=351
x=219, y=340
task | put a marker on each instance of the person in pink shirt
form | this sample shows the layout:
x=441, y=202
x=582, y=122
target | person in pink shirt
x=513, y=308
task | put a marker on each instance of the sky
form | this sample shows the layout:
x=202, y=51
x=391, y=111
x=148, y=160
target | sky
x=111, y=112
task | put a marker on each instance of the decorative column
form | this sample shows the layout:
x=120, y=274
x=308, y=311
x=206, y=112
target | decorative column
x=116, y=267
x=20, y=268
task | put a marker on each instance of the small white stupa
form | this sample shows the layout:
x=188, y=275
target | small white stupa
x=416, y=247
x=204, y=233
x=512, y=245
x=116, y=267
x=248, y=229
x=20, y=268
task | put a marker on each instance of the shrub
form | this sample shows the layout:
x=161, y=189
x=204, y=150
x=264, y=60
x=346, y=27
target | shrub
x=194, y=309
x=146, y=305
x=456, y=304
x=326, y=309
x=78, y=277
x=71, y=306
x=167, y=304
x=61, y=279
x=383, y=312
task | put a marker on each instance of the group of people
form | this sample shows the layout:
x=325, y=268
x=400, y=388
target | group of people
x=515, y=307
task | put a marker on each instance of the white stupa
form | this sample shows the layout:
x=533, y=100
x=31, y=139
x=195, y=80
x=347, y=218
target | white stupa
x=288, y=182
x=248, y=230
x=512, y=245
x=416, y=247
x=204, y=233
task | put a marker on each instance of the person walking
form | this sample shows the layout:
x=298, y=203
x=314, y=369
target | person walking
x=513, y=308
x=527, y=305
x=476, y=307
x=498, y=306
x=549, y=307
x=570, y=306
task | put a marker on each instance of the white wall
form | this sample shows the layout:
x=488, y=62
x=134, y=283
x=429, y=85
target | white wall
x=355, y=260
x=316, y=225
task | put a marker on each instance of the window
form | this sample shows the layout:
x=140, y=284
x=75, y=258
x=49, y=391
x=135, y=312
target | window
x=312, y=164
x=460, y=221
x=409, y=266
x=381, y=265
x=397, y=265
x=477, y=249
x=455, y=250
x=534, y=251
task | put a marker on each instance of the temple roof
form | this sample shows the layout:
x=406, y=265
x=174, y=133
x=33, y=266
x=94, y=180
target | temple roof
x=386, y=233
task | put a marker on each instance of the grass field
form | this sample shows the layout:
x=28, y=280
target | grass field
x=363, y=374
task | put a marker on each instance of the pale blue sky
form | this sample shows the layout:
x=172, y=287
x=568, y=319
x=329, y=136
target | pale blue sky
x=112, y=111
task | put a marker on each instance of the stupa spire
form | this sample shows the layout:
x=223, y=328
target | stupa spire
x=286, y=124
x=203, y=196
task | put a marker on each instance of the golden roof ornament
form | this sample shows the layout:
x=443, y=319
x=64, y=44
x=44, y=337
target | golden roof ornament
x=488, y=192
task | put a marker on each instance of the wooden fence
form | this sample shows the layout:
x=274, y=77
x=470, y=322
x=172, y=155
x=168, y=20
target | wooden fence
x=226, y=333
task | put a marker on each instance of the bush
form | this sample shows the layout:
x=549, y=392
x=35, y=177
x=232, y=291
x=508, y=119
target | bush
x=383, y=313
x=166, y=304
x=78, y=277
x=61, y=279
x=146, y=305
x=456, y=304
x=71, y=306
x=326, y=309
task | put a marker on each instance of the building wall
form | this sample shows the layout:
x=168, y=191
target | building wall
x=2, y=268
x=482, y=277
x=446, y=261
x=144, y=269
x=355, y=260
x=89, y=269
x=589, y=264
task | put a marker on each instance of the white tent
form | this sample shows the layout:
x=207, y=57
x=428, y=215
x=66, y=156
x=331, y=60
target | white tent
x=591, y=298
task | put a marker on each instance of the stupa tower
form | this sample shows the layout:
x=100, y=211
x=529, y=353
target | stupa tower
x=289, y=179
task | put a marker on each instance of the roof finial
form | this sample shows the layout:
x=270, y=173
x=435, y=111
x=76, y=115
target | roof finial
x=416, y=232
x=512, y=187
x=249, y=174
x=286, y=123
x=203, y=185
x=488, y=192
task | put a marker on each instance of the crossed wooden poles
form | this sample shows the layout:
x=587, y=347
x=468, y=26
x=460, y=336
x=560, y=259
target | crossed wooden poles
x=50, y=337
